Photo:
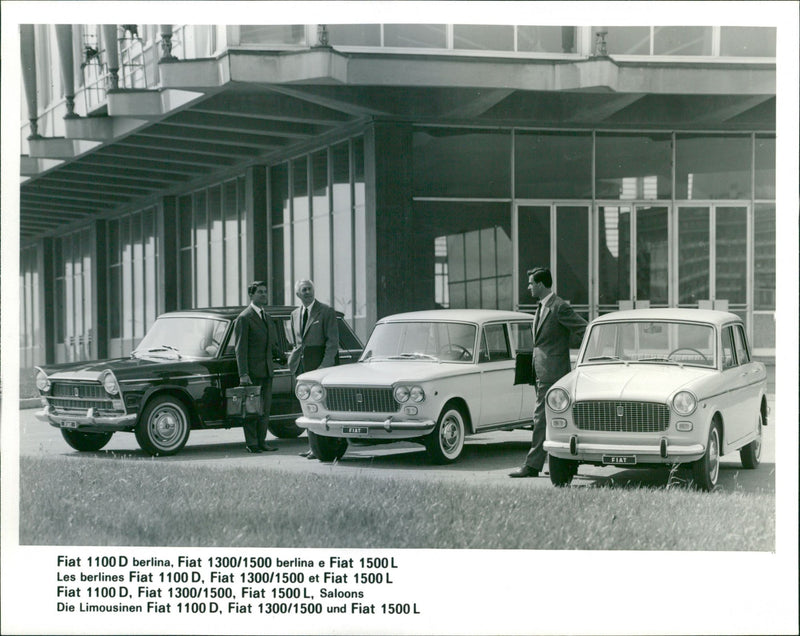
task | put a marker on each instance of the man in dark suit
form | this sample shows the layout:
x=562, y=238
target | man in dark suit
x=556, y=328
x=257, y=345
x=316, y=335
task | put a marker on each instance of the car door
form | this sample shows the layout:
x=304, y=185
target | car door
x=752, y=375
x=733, y=398
x=350, y=347
x=283, y=398
x=501, y=400
x=522, y=340
x=222, y=369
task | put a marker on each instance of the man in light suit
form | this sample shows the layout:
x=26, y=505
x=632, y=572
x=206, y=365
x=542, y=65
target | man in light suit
x=556, y=328
x=316, y=335
x=257, y=345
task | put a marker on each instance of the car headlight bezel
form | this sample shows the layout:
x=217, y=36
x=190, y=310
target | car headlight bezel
x=558, y=399
x=316, y=393
x=401, y=393
x=684, y=403
x=109, y=382
x=42, y=381
x=417, y=394
x=302, y=391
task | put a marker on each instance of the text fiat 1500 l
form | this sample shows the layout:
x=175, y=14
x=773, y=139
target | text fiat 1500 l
x=173, y=382
x=659, y=387
x=430, y=377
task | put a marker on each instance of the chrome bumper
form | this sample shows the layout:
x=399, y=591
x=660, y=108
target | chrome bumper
x=88, y=420
x=385, y=429
x=583, y=450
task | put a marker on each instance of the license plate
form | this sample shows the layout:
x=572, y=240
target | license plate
x=355, y=430
x=619, y=460
x=69, y=424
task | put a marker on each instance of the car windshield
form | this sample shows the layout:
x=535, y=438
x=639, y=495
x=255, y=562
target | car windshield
x=182, y=336
x=435, y=341
x=650, y=342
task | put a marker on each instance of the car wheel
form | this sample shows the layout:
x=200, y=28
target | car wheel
x=446, y=441
x=562, y=470
x=751, y=454
x=327, y=449
x=163, y=426
x=86, y=441
x=706, y=469
x=285, y=430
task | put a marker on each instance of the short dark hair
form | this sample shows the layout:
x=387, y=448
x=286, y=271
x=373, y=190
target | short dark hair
x=252, y=287
x=541, y=275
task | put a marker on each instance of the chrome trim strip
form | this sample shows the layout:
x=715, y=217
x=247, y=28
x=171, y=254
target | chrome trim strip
x=626, y=449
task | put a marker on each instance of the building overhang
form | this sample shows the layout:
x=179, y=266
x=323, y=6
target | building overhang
x=245, y=107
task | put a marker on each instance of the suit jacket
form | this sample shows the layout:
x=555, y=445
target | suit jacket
x=256, y=344
x=558, y=329
x=318, y=345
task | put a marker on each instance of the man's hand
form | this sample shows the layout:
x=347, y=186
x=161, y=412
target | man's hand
x=244, y=380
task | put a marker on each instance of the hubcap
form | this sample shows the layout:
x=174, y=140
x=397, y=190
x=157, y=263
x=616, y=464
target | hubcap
x=450, y=435
x=166, y=426
x=757, y=441
x=713, y=457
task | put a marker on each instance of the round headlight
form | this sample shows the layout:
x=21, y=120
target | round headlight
x=302, y=391
x=417, y=394
x=317, y=393
x=558, y=399
x=110, y=383
x=401, y=394
x=42, y=382
x=684, y=403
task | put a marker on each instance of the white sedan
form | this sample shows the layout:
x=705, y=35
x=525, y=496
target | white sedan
x=659, y=387
x=431, y=377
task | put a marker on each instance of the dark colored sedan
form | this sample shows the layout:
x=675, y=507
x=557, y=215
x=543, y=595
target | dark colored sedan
x=173, y=382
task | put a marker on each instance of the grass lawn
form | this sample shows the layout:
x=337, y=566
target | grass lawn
x=80, y=501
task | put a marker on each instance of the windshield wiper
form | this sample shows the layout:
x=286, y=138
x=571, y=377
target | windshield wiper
x=661, y=361
x=617, y=358
x=157, y=350
x=414, y=356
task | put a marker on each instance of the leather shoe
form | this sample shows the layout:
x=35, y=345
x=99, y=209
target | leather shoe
x=525, y=471
x=253, y=449
x=267, y=448
x=305, y=453
x=310, y=455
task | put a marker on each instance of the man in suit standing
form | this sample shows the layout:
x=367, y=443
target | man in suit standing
x=257, y=345
x=316, y=335
x=556, y=328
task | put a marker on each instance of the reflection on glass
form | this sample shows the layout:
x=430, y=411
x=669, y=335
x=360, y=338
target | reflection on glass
x=712, y=167
x=694, y=255
x=731, y=261
x=553, y=165
x=415, y=35
x=572, y=254
x=764, y=283
x=624, y=40
x=682, y=40
x=546, y=39
x=747, y=41
x=485, y=37
x=533, y=231
x=614, y=230
x=652, y=254
x=765, y=168
x=354, y=34
x=272, y=34
x=633, y=166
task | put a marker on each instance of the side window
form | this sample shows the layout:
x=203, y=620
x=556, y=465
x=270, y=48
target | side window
x=728, y=358
x=496, y=343
x=742, y=354
x=522, y=336
x=347, y=339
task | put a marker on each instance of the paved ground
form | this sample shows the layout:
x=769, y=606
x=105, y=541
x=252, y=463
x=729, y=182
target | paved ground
x=487, y=457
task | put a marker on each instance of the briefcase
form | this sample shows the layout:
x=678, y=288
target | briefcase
x=242, y=401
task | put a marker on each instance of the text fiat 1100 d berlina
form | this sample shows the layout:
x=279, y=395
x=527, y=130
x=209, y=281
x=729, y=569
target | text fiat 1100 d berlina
x=659, y=387
x=431, y=377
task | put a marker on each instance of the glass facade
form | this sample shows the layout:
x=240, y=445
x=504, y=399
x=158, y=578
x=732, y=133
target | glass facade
x=633, y=166
x=31, y=336
x=553, y=165
x=74, y=329
x=713, y=166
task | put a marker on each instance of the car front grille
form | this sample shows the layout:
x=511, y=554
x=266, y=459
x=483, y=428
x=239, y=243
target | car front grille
x=621, y=416
x=360, y=400
x=79, y=396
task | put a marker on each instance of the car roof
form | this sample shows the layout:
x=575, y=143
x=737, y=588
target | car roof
x=225, y=312
x=458, y=315
x=674, y=313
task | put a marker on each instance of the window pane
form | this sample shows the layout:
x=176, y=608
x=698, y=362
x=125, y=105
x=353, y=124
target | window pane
x=272, y=34
x=359, y=183
x=712, y=167
x=533, y=233
x=625, y=40
x=319, y=183
x=614, y=228
x=765, y=168
x=301, y=250
x=682, y=40
x=484, y=37
x=341, y=177
x=633, y=166
x=279, y=273
x=416, y=35
x=463, y=163
x=748, y=41
x=150, y=276
x=354, y=34
x=764, y=283
x=652, y=255
x=216, y=264
x=731, y=270
x=279, y=189
x=230, y=214
x=546, y=39
x=185, y=221
x=571, y=278
x=201, y=272
x=694, y=255
x=553, y=165
x=322, y=257
x=114, y=316
x=300, y=188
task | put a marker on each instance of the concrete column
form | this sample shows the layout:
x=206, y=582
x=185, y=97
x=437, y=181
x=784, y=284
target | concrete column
x=112, y=53
x=67, y=65
x=28, y=52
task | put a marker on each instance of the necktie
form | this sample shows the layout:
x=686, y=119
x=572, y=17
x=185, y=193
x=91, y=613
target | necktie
x=538, y=319
x=303, y=320
x=264, y=318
